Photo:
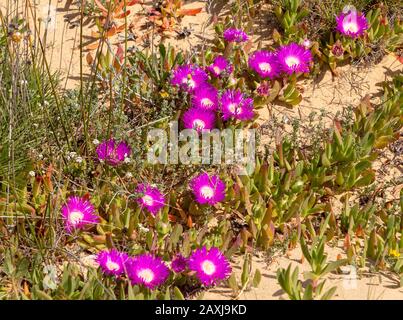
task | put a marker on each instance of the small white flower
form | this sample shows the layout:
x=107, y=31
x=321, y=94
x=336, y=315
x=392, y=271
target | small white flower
x=40, y=156
x=32, y=173
x=95, y=142
x=79, y=159
x=129, y=175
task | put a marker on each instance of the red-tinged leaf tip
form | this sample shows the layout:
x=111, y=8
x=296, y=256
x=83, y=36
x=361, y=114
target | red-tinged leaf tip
x=190, y=12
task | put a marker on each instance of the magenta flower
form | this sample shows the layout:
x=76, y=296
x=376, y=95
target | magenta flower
x=150, y=198
x=235, y=35
x=208, y=190
x=179, y=263
x=211, y=266
x=234, y=104
x=112, y=262
x=352, y=25
x=147, y=270
x=206, y=97
x=264, y=63
x=113, y=153
x=294, y=58
x=78, y=213
x=199, y=119
x=189, y=77
x=219, y=67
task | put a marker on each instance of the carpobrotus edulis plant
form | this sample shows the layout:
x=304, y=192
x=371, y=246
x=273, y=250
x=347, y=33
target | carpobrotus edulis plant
x=189, y=77
x=150, y=198
x=294, y=58
x=199, y=119
x=208, y=189
x=265, y=64
x=112, y=262
x=78, y=213
x=210, y=266
x=147, y=270
x=352, y=24
x=220, y=67
x=206, y=97
x=236, y=105
x=235, y=35
x=113, y=152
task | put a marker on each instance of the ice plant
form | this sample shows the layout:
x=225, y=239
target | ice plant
x=78, y=213
x=219, y=67
x=147, y=270
x=234, y=104
x=235, y=35
x=113, y=152
x=150, y=198
x=199, y=119
x=263, y=89
x=352, y=24
x=189, y=77
x=294, y=58
x=338, y=49
x=264, y=63
x=112, y=262
x=208, y=190
x=211, y=266
x=205, y=97
x=179, y=263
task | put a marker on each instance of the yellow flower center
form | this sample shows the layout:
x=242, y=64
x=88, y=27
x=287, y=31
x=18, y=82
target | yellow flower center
x=207, y=192
x=264, y=66
x=76, y=217
x=148, y=200
x=112, y=266
x=208, y=267
x=217, y=69
x=292, y=61
x=146, y=274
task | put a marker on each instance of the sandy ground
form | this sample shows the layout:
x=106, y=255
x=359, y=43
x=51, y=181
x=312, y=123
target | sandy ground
x=58, y=21
x=351, y=284
x=331, y=94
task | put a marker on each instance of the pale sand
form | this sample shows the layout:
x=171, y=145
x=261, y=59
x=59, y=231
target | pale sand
x=371, y=286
